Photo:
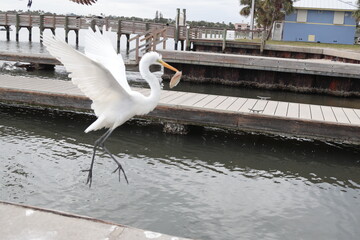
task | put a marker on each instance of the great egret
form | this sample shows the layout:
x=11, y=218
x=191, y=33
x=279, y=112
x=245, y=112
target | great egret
x=87, y=2
x=100, y=75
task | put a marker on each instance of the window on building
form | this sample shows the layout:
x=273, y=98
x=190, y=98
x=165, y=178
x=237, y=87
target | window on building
x=301, y=15
x=339, y=17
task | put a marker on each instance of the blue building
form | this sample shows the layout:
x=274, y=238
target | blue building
x=324, y=21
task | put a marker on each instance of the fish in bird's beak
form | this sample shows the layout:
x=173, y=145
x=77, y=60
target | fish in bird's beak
x=176, y=78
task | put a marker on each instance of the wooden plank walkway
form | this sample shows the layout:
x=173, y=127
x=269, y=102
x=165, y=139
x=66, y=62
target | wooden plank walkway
x=268, y=116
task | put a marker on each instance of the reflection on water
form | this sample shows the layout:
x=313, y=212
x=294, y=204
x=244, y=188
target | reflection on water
x=205, y=185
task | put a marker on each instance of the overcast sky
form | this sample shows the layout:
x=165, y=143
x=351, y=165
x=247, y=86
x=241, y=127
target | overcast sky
x=208, y=10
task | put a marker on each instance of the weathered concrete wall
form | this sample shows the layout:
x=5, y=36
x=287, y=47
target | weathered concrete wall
x=295, y=82
x=315, y=76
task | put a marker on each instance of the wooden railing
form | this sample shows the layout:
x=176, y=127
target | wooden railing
x=153, y=32
x=77, y=23
x=119, y=26
x=151, y=39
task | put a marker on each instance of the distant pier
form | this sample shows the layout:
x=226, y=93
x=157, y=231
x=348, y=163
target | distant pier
x=264, y=116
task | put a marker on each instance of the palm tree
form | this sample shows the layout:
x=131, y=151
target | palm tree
x=356, y=14
x=267, y=11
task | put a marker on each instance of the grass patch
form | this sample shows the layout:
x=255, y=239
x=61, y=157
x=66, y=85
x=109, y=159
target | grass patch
x=306, y=44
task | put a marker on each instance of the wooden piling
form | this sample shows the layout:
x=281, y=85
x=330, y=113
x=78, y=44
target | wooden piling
x=224, y=40
x=17, y=26
x=66, y=26
x=7, y=33
x=119, y=37
x=30, y=33
x=177, y=28
x=41, y=27
x=77, y=37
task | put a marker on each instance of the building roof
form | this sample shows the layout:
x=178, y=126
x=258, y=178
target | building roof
x=337, y=5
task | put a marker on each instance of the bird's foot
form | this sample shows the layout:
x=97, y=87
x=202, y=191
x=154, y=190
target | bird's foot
x=89, y=178
x=120, y=169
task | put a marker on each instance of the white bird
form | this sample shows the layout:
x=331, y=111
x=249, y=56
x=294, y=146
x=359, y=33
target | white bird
x=100, y=75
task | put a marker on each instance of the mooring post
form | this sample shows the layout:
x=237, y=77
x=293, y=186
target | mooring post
x=224, y=40
x=7, y=27
x=188, y=43
x=30, y=33
x=30, y=27
x=182, y=45
x=77, y=37
x=177, y=23
x=137, y=49
x=41, y=27
x=148, y=40
x=17, y=26
x=127, y=44
x=119, y=37
x=66, y=28
x=164, y=36
x=7, y=33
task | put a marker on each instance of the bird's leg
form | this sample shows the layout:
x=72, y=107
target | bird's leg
x=119, y=168
x=98, y=142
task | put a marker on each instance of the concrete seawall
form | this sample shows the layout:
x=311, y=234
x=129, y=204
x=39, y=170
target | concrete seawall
x=27, y=222
x=314, y=76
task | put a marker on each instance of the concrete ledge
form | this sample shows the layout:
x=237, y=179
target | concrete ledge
x=26, y=222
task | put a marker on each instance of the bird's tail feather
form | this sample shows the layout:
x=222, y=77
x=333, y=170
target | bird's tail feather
x=97, y=125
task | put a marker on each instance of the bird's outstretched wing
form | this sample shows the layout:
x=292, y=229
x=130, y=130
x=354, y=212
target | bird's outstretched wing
x=87, y=2
x=98, y=47
x=93, y=79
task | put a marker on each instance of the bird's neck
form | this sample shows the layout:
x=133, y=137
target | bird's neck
x=154, y=84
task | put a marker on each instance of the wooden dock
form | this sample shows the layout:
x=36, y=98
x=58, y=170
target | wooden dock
x=314, y=67
x=326, y=123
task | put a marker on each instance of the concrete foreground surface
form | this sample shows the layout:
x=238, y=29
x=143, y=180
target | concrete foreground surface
x=20, y=222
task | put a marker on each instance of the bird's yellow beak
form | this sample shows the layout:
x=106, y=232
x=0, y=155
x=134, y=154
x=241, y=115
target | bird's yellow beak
x=176, y=78
x=168, y=66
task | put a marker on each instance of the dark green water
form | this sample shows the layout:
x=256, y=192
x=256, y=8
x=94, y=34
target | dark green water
x=205, y=185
